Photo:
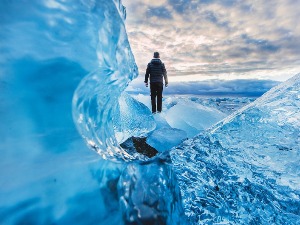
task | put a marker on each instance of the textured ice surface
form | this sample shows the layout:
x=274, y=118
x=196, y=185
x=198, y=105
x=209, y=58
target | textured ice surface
x=95, y=102
x=165, y=138
x=226, y=105
x=192, y=117
x=47, y=173
x=150, y=195
x=132, y=118
x=185, y=116
x=245, y=170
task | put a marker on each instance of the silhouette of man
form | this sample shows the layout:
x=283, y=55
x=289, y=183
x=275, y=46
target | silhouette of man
x=157, y=71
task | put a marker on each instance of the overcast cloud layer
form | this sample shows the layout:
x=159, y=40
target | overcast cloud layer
x=217, y=39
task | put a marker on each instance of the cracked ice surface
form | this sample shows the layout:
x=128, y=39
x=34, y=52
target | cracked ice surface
x=245, y=169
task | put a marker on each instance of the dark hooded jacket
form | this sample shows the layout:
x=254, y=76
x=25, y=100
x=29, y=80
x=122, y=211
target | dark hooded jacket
x=156, y=69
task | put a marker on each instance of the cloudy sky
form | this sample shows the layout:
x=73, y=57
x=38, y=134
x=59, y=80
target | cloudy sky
x=217, y=39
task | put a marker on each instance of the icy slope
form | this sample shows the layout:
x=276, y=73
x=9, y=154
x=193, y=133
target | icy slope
x=245, y=170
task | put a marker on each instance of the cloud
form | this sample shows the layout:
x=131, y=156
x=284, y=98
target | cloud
x=228, y=36
x=260, y=44
x=160, y=12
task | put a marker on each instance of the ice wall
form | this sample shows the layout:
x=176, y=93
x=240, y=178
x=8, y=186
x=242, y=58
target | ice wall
x=61, y=43
x=47, y=173
x=46, y=170
x=245, y=170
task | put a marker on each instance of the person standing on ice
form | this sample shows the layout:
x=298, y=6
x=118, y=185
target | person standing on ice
x=157, y=71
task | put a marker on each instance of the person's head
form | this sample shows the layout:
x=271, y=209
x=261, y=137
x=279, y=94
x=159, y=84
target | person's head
x=156, y=55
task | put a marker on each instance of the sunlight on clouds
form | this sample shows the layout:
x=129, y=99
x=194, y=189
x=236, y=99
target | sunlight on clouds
x=202, y=40
x=280, y=75
x=154, y=3
x=207, y=39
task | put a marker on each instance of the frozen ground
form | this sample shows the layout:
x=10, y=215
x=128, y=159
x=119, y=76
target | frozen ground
x=185, y=116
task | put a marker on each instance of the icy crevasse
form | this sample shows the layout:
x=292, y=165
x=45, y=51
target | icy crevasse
x=245, y=170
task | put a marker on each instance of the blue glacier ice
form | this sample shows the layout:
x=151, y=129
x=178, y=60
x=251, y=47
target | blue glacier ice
x=183, y=117
x=165, y=138
x=124, y=124
x=192, y=117
x=62, y=63
x=64, y=67
x=245, y=169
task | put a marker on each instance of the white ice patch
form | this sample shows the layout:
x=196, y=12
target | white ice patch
x=192, y=117
x=165, y=138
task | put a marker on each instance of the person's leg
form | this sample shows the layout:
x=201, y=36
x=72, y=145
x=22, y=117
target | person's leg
x=153, y=96
x=159, y=97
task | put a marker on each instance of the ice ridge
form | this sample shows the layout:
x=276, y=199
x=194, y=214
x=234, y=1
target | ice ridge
x=245, y=170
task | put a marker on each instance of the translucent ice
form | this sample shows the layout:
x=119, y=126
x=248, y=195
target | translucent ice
x=95, y=102
x=132, y=118
x=47, y=173
x=165, y=138
x=186, y=114
x=150, y=195
x=245, y=170
x=192, y=117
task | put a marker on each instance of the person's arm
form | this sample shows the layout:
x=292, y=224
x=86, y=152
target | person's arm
x=165, y=75
x=147, y=75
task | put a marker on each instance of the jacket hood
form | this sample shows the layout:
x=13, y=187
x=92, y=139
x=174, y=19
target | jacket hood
x=156, y=61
